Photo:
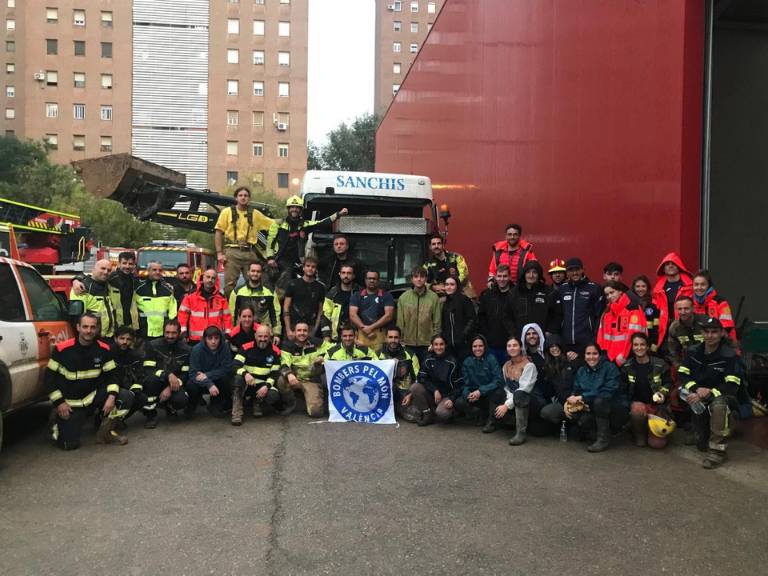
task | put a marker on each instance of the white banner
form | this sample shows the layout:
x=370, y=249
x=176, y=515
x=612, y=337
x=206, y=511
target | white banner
x=360, y=391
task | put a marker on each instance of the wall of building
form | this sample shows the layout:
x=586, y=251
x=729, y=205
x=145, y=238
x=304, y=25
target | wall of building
x=579, y=120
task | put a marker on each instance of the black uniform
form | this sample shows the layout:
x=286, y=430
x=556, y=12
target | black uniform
x=261, y=363
x=130, y=375
x=161, y=360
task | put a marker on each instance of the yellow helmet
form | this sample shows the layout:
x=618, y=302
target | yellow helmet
x=294, y=201
x=660, y=427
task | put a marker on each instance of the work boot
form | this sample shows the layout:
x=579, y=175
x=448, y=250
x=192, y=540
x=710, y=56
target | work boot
x=639, y=423
x=427, y=418
x=521, y=425
x=151, y=422
x=288, y=402
x=713, y=459
x=258, y=408
x=237, y=408
x=107, y=434
x=490, y=425
x=603, y=438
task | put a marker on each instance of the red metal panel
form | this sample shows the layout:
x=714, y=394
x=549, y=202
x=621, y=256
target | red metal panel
x=580, y=120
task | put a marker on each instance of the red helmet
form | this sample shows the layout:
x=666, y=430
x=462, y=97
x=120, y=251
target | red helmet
x=557, y=265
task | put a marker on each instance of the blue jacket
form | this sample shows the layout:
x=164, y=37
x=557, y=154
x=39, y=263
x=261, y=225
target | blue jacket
x=215, y=364
x=602, y=381
x=580, y=306
x=482, y=374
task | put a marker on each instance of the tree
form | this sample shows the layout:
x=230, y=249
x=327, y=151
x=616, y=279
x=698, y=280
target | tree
x=350, y=147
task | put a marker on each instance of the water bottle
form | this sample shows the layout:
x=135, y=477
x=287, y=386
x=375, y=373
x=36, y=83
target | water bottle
x=696, y=407
x=563, y=432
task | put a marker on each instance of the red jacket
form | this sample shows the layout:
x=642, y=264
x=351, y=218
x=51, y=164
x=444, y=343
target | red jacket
x=717, y=307
x=660, y=297
x=197, y=312
x=515, y=259
x=620, y=320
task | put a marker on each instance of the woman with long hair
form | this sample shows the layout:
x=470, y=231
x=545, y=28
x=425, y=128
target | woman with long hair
x=438, y=384
x=482, y=378
x=708, y=302
x=641, y=288
x=620, y=319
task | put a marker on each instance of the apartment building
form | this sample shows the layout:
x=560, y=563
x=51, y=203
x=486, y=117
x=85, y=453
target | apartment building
x=216, y=89
x=401, y=28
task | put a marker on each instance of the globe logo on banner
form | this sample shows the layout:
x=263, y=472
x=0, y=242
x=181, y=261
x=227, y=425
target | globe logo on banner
x=360, y=391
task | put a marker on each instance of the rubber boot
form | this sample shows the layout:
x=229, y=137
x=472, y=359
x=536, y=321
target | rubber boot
x=490, y=425
x=639, y=423
x=107, y=434
x=288, y=400
x=603, y=435
x=237, y=407
x=521, y=425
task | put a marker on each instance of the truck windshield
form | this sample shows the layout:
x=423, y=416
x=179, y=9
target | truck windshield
x=373, y=252
x=168, y=258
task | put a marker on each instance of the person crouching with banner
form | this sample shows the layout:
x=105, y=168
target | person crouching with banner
x=405, y=374
x=257, y=368
x=302, y=364
x=482, y=377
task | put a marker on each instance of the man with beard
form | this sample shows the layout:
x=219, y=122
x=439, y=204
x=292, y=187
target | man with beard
x=205, y=307
x=443, y=264
x=257, y=368
x=405, y=374
x=304, y=299
x=302, y=361
x=155, y=301
x=182, y=283
x=129, y=370
x=99, y=298
x=263, y=300
x=330, y=267
x=495, y=314
x=337, y=301
x=166, y=369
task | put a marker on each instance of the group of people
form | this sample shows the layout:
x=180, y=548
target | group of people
x=546, y=355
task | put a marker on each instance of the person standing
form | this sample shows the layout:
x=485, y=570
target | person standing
x=513, y=252
x=496, y=317
x=182, y=283
x=442, y=265
x=337, y=302
x=99, y=298
x=641, y=288
x=683, y=333
x=371, y=310
x=580, y=302
x=330, y=267
x=264, y=301
x=418, y=314
x=236, y=237
x=557, y=273
x=674, y=281
x=459, y=320
x=204, y=307
x=707, y=302
x=533, y=302
x=155, y=302
x=245, y=329
x=304, y=299
x=620, y=320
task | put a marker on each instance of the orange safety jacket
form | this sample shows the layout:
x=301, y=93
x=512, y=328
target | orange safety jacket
x=514, y=259
x=620, y=320
x=660, y=297
x=197, y=312
x=717, y=307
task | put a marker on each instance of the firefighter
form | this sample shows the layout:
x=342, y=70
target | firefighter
x=347, y=349
x=129, y=363
x=330, y=266
x=80, y=379
x=236, y=237
x=405, y=374
x=99, y=297
x=556, y=272
x=673, y=281
x=513, y=252
x=337, y=302
x=711, y=378
x=708, y=302
x=304, y=299
x=155, y=302
x=204, y=307
x=620, y=320
x=257, y=367
x=166, y=370
x=245, y=330
x=264, y=301
x=443, y=264
x=286, y=240
x=371, y=309
x=182, y=283
x=301, y=369
x=683, y=333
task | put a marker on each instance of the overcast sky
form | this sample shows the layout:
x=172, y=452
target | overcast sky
x=341, y=47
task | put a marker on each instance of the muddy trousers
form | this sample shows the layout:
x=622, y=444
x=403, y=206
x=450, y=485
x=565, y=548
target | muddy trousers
x=615, y=412
x=66, y=433
x=424, y=401
x=315, y=395
x=153, y=386
x=716, y=424
x=242, y=392
x=238, y=261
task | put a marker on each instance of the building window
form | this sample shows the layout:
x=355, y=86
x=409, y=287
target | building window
x=79, y=79
x=233, y=56
x=233, y=117
x=396, y=68
x=51, y=15
x=285, y=1
x=397, y=6
x=396, y=47
x=258, y=88
x=52, y=78
x=106, y=81
x=78, y=17
x=78, y=142
x=282, y=179
x=414, y=47
x=258, y=119
x=431, y=7
x=10, y=25
x=106, y=144
x=429, y=26
x=231, y=147
x=259, y=2
x=233, y=26
x=258, y=27
x=414, y=27
x=233, y=87
x=106, y=19
x=10, y=113
x=258, y=149
x=397, y=25
x=283, y=118
x=10, y=68
x=79, y=111
x=79, y=47
x=106, y=49
x=51, y=110
x=258, y=57
x=258, y=178
x=284, y=58
x=51, y=141
x=11, y=3
x=284, y=89
x=106, y=113
x=51, y=46
x=10, y=91
x=10, y=46
x=282, y=150
x=414, y=7
x=232, y=177
x=395, y=89
x=284, y=29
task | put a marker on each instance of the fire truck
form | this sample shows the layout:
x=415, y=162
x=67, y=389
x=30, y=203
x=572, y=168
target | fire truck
x=171, y=253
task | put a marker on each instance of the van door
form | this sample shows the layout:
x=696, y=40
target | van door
x=18, y=338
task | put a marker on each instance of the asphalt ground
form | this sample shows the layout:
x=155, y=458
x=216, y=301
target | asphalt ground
x=293, y=496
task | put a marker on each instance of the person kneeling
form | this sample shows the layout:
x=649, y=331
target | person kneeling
x=210, y=369
x=258, y=367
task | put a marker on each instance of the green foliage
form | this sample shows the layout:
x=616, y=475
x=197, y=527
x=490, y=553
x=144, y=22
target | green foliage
x=261, y=195
x=350, y=147
x=27, y=176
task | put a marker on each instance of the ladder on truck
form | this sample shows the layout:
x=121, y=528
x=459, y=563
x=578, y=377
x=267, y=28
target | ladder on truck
x=36, y=219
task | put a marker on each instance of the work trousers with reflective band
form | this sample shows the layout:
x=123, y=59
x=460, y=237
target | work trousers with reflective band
x=715, y=422
x=239, y=387
x=238, y=260
x=66, y=432
x=153, y=386
x=314, y=394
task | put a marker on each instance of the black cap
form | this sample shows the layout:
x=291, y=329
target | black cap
x=573, y=263
x=711, y=323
